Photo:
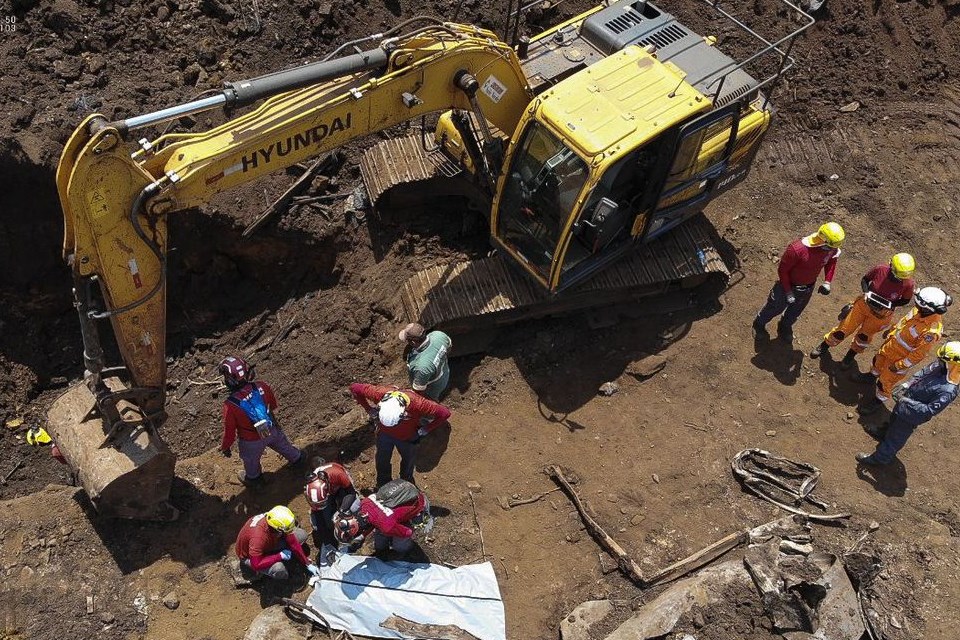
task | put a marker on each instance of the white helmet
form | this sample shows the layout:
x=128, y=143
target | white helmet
x=932, y=300
x=392, y=407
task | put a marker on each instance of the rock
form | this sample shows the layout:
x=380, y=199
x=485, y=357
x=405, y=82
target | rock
x=874, y=525
x=573, y=537
x=325, y=10
x=850, y=415
x=64, y=15
x=895, y=623
x=577, y=625
x=68, y=68
x=107, y=618
x=96, y=63
x=636, y=520
x=656, y=478
x=191, y=73
x=612, y=497
x=474, y=486
x=163, y=13
x=850, y=107
x=171, y=601
x=834, y=176
x=273, y=624
x=609, y=388
x=771, y=432
x=363, y=458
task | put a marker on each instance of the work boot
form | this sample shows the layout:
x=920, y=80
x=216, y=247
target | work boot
x=867, y=458
x=848, y=361
x=877, y=433
x=819, y=349
x=249, y=482
x=759, y=331
x=785, y=333
x=864, y=377
x=869, y=407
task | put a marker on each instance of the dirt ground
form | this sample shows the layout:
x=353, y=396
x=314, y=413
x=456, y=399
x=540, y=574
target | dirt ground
x=653, y=458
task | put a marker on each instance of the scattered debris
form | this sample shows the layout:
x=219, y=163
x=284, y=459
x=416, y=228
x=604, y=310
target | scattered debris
x=609, y=388
x=12, y=471
x=474, y=486
x=771, y=432
x=171, y=601
x=647, y=367
x=656, y=478
x=13, y=423
x=850, y=107
x=507, y=502
x=483, y=551
x=90, y=605
x=426, y=631
x=576, y=626
x=783, y=482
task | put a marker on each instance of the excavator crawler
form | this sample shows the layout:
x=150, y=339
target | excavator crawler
x=593, y=146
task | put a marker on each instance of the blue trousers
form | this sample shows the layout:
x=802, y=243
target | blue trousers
x=408, y=458
x=777, y=304
x=897, y=435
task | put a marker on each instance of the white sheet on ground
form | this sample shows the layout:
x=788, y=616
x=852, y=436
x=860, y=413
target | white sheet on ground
x=357, y=593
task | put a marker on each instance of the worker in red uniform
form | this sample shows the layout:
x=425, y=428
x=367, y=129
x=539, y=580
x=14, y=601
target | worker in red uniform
x=248, y=416
x=800, y=266
x=394, y=514
x=329, y=491
x=402, y=417
x=270, y=539
x=885, y=287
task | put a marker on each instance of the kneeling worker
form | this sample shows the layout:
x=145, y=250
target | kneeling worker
x=394, y=513
x=270, y=539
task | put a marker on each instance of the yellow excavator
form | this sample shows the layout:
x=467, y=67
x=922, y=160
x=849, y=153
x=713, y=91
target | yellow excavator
x=593, y=145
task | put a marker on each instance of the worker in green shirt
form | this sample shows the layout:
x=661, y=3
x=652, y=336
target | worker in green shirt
x=427, y=360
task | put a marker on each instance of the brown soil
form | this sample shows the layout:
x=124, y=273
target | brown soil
x=654, y=458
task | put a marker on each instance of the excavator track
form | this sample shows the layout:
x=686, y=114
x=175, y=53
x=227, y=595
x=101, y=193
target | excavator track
x=480, y=294
x=402, y=162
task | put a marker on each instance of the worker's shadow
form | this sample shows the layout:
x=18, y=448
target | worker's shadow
x=432, y=447
x=779, y=358
x=890, y=479
x=842, y=387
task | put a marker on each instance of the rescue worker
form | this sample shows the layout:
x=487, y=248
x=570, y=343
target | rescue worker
x=248, y=417
x=426, y=357
x=799, y=268
x=929, y=391
x=268, y=540
x=906, y=345
x=401, y=417
x=394, y=514
x=329, y=491
x=885, y=287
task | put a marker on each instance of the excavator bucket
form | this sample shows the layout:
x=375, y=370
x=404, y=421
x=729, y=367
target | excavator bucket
x=126, y=469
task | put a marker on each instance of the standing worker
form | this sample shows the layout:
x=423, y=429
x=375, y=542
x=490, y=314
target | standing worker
x=800, y=265
x=427, y=360
x=930, y=391
x=398, y=416
x=270, y=539
x=885, y=287
x=329, y=492
x=394, y=514
x=248, y=416
x=907, y=344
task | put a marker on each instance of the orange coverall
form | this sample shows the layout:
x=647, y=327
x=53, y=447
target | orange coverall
x=863, y=320
x=907, y=344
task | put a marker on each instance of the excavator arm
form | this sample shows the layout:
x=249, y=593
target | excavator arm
x=115, y=202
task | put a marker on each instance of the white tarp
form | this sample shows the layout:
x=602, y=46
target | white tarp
x=357, y=593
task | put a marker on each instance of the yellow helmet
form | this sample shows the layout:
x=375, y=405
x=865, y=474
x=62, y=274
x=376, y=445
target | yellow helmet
x=950, y=352
x=902, y=265
x=281, y=519
x=832, y=234
x=37, y=436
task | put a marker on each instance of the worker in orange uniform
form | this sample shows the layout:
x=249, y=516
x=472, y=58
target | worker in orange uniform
x=885, y=287
x=907, y=344
x=800, y=266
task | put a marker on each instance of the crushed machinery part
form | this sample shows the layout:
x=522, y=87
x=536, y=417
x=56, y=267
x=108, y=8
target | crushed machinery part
x=490, y=292
x=749, y=467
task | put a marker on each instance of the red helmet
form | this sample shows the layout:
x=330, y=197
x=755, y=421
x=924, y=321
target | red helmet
x=346, y=529
x=317, y=490
x=236, y=372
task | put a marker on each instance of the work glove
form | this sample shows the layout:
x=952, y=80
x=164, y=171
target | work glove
x=791, y=298
x=226, y=453
x=824, y=289
x=286, y=554
x=314, y=570
x=422, y=431
x=898, y=392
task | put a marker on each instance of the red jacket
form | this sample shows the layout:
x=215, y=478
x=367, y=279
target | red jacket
x=392, y=521
x=367, y=395
x=801, y=265
x=881, y=282
x=260, y=543
x=235, y=421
